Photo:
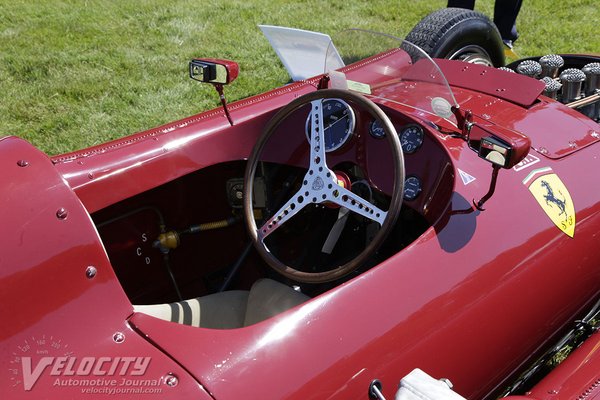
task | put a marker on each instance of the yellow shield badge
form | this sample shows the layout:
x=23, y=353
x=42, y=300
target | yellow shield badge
x=554, y=198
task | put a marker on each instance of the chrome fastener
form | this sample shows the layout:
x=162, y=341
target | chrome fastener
x=119, y=337
x=90, y=272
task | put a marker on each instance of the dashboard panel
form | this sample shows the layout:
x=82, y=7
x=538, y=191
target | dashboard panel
x=428, y=171
x=427, y=162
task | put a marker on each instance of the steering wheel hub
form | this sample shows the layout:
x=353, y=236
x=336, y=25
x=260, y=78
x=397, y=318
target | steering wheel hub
x=318, y=183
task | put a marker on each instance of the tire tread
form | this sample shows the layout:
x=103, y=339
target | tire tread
x=431, y=29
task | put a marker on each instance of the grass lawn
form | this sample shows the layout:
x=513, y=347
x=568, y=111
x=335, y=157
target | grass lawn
x=75, y=73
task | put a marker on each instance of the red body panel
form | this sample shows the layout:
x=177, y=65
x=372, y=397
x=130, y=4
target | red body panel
x=578, y=377
x=519, y=89
x=50, y=307
x=473, y=299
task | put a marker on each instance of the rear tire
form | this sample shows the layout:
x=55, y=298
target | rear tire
x=459, y=34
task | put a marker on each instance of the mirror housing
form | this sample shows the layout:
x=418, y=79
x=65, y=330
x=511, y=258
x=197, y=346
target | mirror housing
x=500, y=146
x=218, y=72
x=212, y=70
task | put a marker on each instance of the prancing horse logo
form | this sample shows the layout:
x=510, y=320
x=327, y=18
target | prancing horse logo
x=551, y=198
x=554, y=198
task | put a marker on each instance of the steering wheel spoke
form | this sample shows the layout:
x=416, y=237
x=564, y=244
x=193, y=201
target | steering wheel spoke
x=317, y=139
x=285, y=213
x=353, y=202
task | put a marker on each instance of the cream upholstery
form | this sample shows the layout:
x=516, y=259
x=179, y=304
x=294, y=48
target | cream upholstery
x=268, y=298
x=231, y=309
x=223, y=310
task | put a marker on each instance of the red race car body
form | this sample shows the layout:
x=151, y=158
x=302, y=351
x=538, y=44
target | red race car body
x=491, y=258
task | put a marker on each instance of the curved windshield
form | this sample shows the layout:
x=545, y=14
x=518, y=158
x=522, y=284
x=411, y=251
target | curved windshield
x=390, y=69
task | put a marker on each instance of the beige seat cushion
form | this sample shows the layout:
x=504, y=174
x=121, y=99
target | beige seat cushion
x=268, y=298
x=231, y=309
x=225, y=310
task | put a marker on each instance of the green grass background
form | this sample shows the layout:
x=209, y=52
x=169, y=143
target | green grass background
x=78, y=73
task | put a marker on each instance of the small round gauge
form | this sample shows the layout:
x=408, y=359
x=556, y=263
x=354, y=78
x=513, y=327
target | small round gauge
x=412, y=188
x=411, y=138
x=376, y=129
x=338, y=123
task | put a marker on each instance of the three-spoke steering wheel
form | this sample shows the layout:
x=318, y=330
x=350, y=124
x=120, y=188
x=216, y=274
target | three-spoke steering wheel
x=320, y=185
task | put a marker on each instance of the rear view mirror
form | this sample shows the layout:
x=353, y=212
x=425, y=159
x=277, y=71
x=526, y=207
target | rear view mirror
x=502, y=147
x=215, y=71
x=218, y=73
x=495, y=151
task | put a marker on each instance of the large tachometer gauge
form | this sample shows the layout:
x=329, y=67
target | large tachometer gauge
x=338, y=122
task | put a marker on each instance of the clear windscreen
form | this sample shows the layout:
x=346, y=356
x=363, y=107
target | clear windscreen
x=389, y=69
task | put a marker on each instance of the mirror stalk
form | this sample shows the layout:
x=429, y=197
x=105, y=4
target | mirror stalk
x=219, y=88
x=464, y=121
x=488, y=195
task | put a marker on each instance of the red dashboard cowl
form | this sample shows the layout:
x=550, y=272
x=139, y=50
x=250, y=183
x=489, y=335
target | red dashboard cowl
x=519, y=89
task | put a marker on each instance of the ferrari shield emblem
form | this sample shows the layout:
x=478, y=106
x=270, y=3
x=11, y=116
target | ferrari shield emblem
x=554, y=198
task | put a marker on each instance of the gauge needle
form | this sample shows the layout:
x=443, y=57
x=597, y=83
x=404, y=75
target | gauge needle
x=340, y=119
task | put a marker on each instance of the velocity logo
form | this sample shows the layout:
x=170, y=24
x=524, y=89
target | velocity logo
x=86, y=367
x=49, y=357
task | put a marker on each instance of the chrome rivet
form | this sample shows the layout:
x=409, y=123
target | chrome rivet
x=171, y=380
x=22, y=163
x=119, y=337
x=61, y=213
x=595, y=135
x=543, y=150
x=90, y=272
x=90, y=175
